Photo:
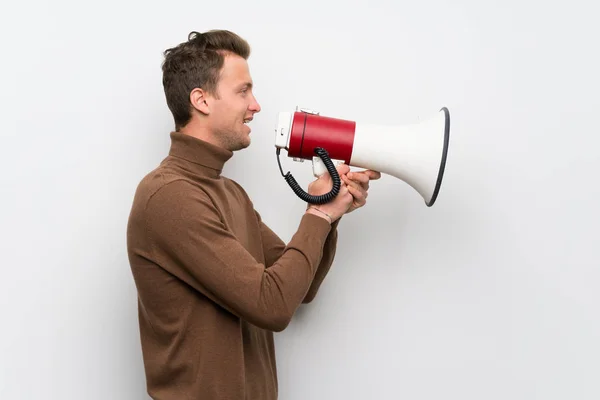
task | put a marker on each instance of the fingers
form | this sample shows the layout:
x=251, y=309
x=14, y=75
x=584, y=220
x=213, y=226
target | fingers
x=352, y=183
x=359, y=180
x=360, y=177
x=360, y=196
x=365, y=176
x=373, y=175
x=343, y=169
x=356, y=189
x=344, y=190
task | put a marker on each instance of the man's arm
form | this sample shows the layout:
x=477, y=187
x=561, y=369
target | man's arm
x=190, y=241
x=329, y=250
x=358, y=185
x=273, y=248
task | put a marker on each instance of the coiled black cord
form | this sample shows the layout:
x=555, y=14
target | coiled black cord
x=324, y=198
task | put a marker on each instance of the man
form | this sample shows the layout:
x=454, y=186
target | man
x=214, y=282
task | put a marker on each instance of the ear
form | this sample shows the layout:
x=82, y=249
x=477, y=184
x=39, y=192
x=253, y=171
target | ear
x=198, y=100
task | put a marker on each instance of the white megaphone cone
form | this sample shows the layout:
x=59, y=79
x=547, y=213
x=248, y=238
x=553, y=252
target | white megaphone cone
x=415, y=153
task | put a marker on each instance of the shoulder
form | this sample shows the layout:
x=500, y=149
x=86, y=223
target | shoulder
x=236, y=189
x=233, y=184
x=161, y=188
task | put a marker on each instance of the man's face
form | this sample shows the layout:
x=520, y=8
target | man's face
x=235, y=105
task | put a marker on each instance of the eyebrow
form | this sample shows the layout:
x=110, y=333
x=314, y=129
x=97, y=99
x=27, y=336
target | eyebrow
x=249, y=85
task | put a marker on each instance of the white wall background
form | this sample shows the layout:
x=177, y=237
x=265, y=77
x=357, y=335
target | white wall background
x=491, y=294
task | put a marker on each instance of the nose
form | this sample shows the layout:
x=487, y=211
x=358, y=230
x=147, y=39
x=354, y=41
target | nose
x=254, y=106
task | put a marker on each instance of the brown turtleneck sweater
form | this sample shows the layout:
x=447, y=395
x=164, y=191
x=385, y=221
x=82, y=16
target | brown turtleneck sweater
x=213, y=280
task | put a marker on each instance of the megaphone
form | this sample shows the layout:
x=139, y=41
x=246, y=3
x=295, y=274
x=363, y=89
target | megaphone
x=414, y=153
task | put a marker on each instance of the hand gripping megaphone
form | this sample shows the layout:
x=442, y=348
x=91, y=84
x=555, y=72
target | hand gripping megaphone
x=414, y=153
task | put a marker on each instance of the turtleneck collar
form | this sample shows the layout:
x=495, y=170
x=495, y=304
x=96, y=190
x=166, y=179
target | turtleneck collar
x=198, y=151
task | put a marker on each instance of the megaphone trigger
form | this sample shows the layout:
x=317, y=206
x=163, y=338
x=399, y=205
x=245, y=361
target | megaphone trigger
x=319, y=168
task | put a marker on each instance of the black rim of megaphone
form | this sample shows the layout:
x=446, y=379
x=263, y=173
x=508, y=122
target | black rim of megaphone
x=440, y=177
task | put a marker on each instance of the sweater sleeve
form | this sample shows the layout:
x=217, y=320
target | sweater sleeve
x=325, y=264
x=189, y=240
x=274, y=247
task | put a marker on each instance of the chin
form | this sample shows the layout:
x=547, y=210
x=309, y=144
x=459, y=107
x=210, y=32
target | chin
x=240, y=145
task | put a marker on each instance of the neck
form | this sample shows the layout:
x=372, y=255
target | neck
x=197, y=129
